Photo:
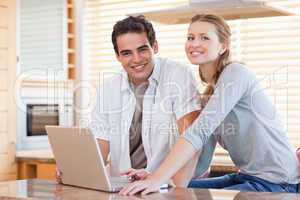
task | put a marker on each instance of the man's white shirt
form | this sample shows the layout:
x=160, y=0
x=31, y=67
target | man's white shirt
x=171, y=94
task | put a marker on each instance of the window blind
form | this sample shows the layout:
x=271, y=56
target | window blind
x=269, y=46
x=42, y=35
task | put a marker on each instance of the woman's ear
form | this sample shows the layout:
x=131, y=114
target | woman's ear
x=222, y=51
x=223, y=48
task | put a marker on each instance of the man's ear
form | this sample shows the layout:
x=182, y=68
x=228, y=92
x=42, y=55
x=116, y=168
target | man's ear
x=117, y=56
x=155, y=47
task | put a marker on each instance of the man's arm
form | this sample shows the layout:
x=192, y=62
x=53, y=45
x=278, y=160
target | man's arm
x=184, y=175
x=104, y=147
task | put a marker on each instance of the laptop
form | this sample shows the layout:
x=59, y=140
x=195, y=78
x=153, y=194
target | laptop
x=79, y=158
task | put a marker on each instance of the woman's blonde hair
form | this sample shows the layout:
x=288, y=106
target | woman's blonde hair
x=223, y=32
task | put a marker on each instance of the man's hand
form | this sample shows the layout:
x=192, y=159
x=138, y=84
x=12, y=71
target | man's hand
x=136, y=174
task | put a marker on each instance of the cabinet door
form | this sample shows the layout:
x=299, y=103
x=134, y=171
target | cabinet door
x=36, y=169
x=46, y=171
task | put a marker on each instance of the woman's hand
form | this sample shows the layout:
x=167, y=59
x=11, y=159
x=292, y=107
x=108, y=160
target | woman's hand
x=179, y=155
x=150, y=184
x=136, y=174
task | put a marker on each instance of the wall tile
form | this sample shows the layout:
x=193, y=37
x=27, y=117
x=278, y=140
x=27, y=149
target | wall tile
x=3, y=101
x=3, y=80
x=3, y=59
x=3, y=38
x=3, y=143
x=3, y=17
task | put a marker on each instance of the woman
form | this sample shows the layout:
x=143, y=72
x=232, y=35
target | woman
x=237, y=114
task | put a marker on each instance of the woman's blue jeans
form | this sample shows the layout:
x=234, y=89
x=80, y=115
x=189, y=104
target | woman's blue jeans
x=243, y=182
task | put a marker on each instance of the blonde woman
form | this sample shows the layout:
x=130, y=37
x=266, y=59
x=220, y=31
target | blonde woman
x=236, y=113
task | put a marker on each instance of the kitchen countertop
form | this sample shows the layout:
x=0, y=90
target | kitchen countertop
x=39, y=189
x=45, y=156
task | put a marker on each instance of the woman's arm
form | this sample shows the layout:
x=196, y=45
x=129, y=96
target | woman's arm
x=184, y=175
x=198, y=165
x=204, y=160
x=180, y=154
x=200, y=162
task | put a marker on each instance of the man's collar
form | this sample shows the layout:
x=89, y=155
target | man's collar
x=156, y=71
x=153, y=77
x=125, y=81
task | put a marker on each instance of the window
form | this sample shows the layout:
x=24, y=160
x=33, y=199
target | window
x=269, y=46
x=42, y=35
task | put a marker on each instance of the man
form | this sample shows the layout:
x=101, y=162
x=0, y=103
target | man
x=140, y=111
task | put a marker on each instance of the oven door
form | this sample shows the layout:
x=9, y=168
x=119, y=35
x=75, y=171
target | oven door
x=40, y=115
